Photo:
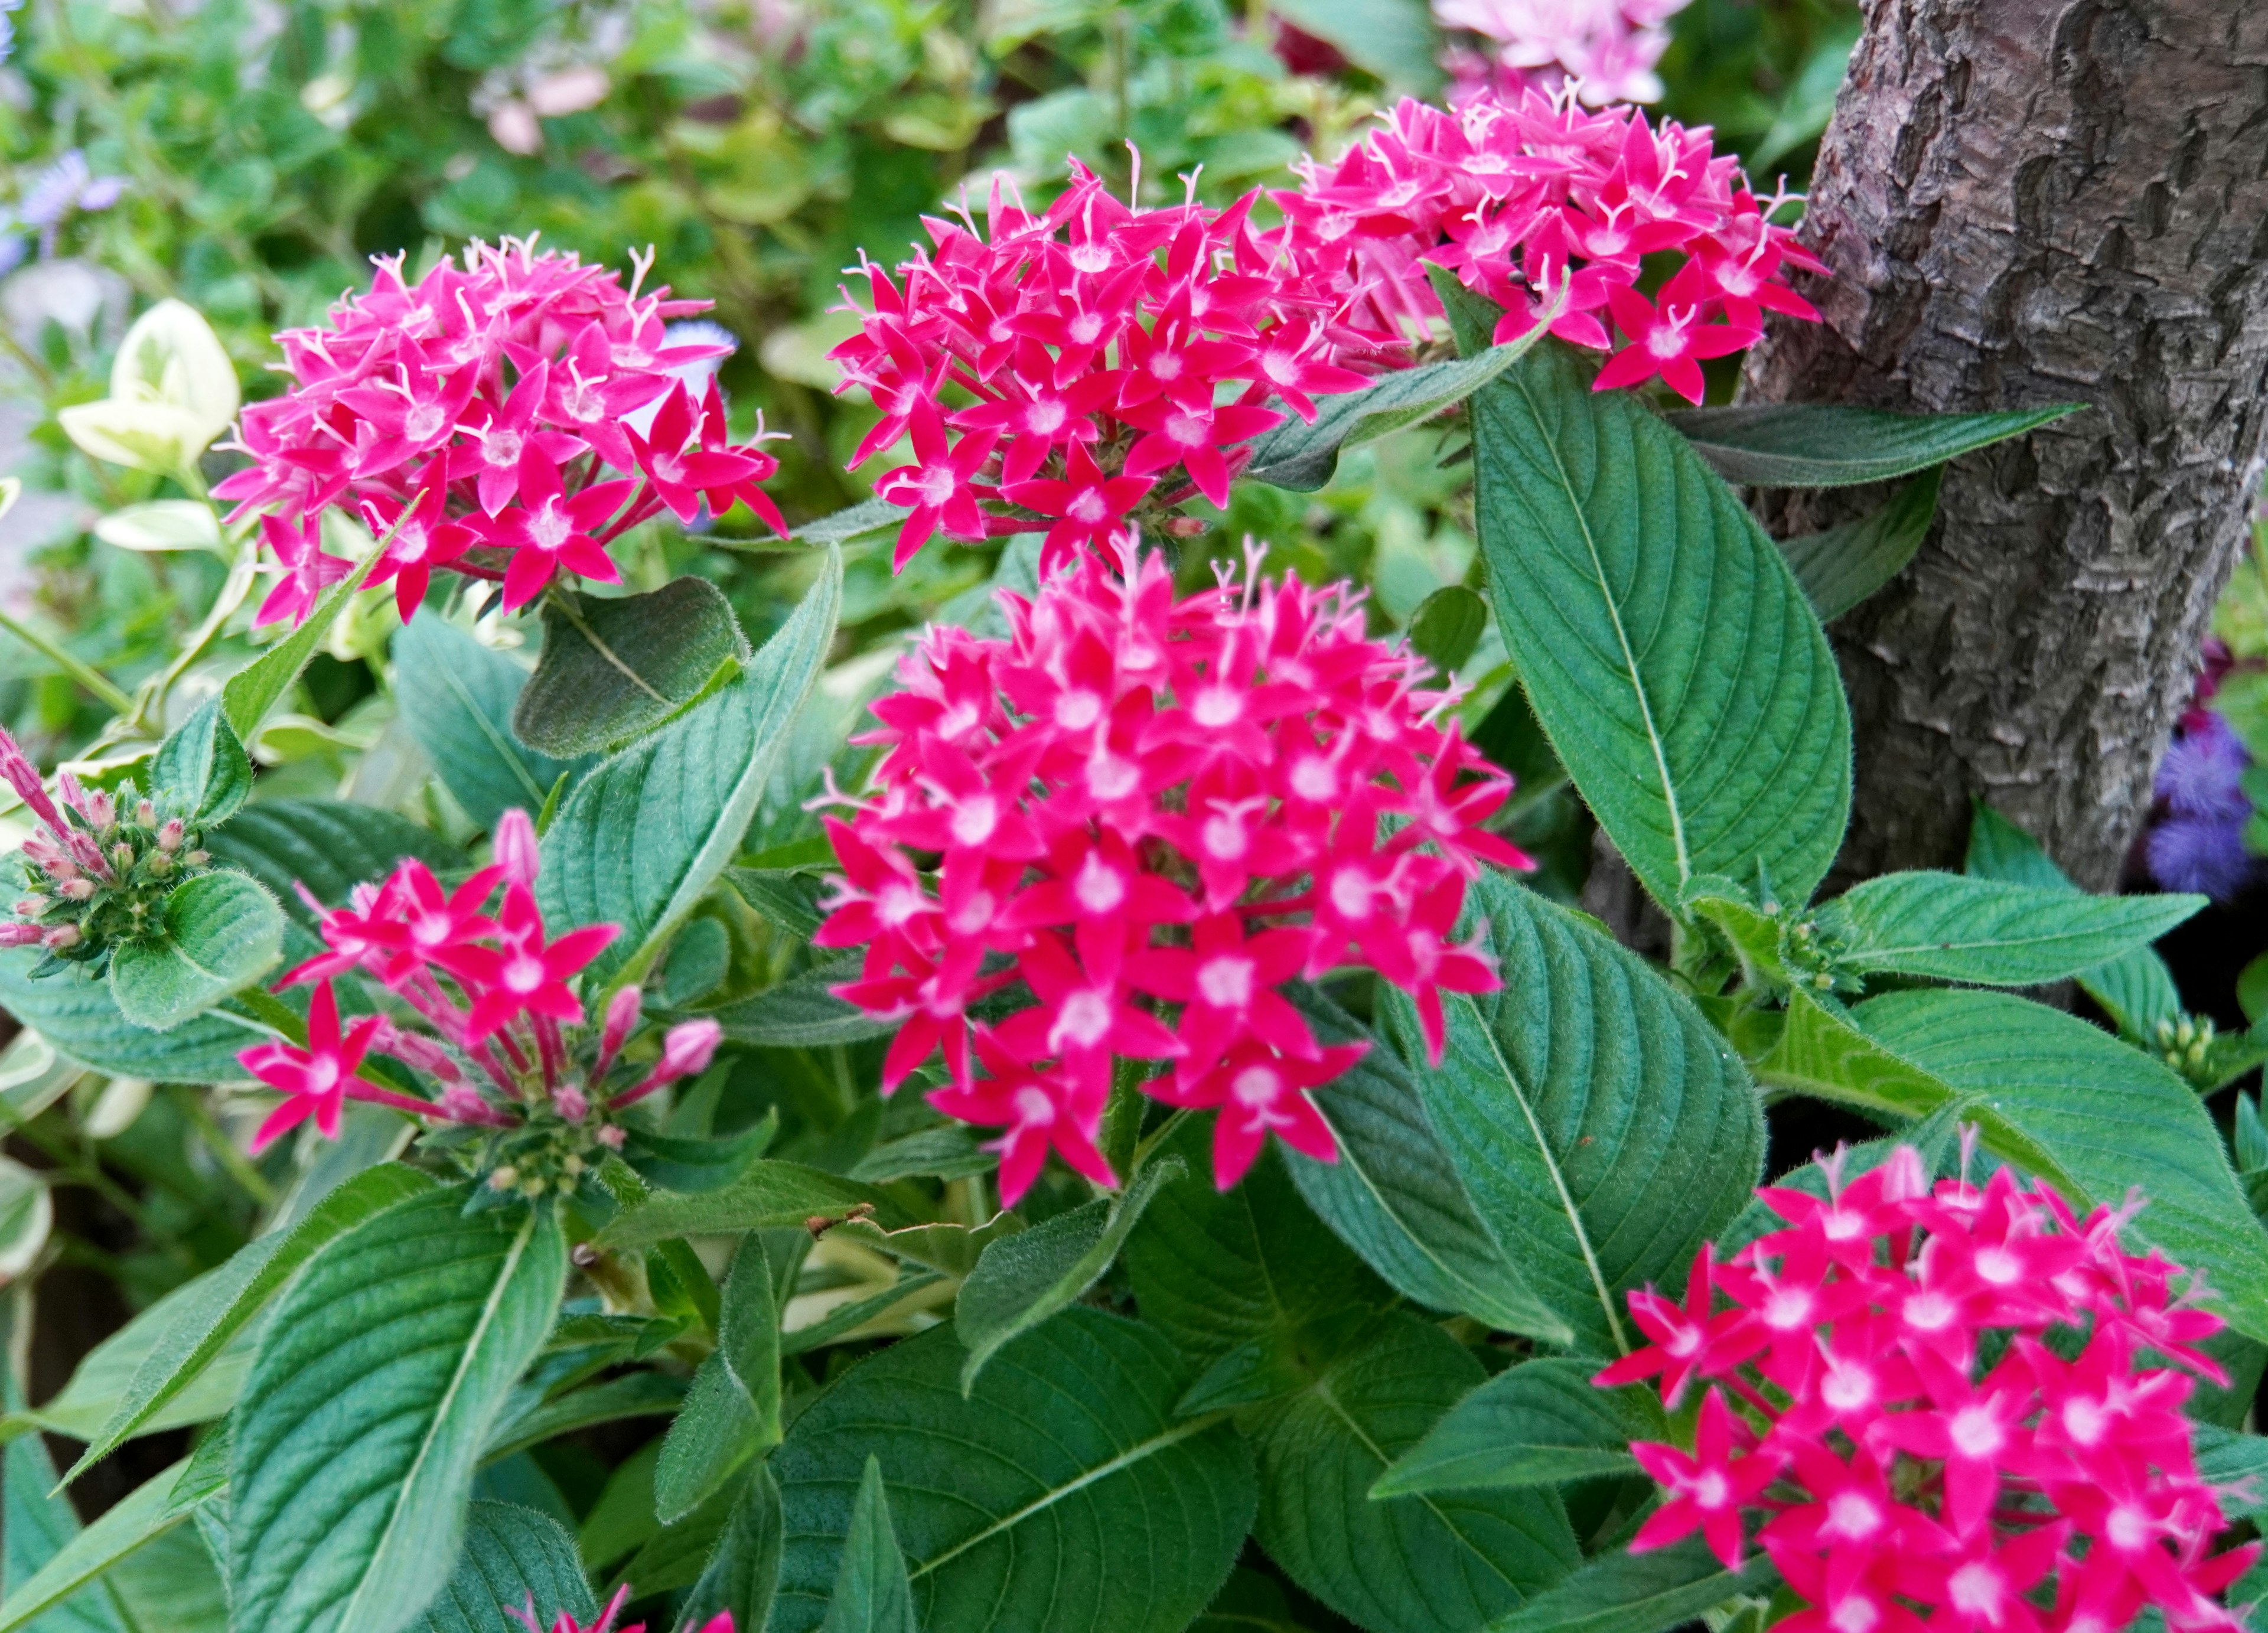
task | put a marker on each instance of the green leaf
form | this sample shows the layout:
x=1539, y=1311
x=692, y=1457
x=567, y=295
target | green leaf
x=865, y=520
x=1429, y=1563
x=226, y=1299
x=2237, y=1464
x=1664, y=644
x=1303, y=456
x=1448, y=626
x=1395, y=1197
x=74, y=1011
x=257, y=688
x=1021, y=1280
x=2053, y=1095
x=201, y=773
x=699, y=960
x=1540, y=1423
x=383, y=1371
x=1061, y=1495
x=872, y=1594
x=145, y=1513
x=328, y=845
x=1217, y=1271
x=611, y=1401
x=36, y=1523
x=611, y=668
x=771, y=1192
x=1952, y=928
x=1841, y=566
x=514, y=1559
x=172, y=1583
x=2136, y=990
x=1602, y=1127
x=743, y=1573
x=1626, y=1592
x=707, y=1164
x=674, y=1556
x=801, y=1012
x=457, y=696
x=105, y=1375
x=789, y=897
x=733, y=1409
x=645, y=834
x=221, y=932
x=1396, y=39
x=1822, y=445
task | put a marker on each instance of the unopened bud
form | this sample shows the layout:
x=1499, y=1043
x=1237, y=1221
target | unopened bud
x=122, y=857
x=76, y=889
x=570, y=1102
x=612, y=1136
x=63, y=936
x=689, y=1047
x=170, y=836
x=145, y=815
x=1183, y=526
x=505, y=1178
x=574, y=1164
x=31, y=907
x=534, y=1185
x=460, y=1102
x=20, y=935
x=197, y=859
x=161, y=864
x=515, y=847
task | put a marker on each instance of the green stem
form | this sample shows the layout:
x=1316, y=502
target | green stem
x=104, y=690
x=258, y=1003
x=1158, y=1137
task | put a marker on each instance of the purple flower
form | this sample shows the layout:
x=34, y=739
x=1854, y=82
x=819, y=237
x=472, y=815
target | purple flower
x=2201, y=774
x=2204, y=854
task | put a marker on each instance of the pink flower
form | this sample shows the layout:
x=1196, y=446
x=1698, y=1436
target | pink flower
x=1604, y=49
x=472, y=415
x=565, y=1624
x=313, y=1079
x=1905, y=1469
x=1130, y=820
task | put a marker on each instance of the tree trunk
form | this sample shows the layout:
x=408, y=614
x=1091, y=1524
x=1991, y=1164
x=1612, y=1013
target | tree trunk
x=2026, y=202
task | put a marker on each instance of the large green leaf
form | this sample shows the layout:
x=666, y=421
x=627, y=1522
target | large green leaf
x=514, y=1559
x=36, y=1523
x=1302, y=456
x=147, y=1512
x=1663, y=640
x=1841, y=566
x=871, y=1594
x=1023, y=1279
x=74, y=1011
x=1394, y=1195
x=771, y=1193
x=615, y=668
x=104, y=1377
x=802, y=1012
x=743, y=1572
x=1542, y=1422
x=457, y=697
x=221, y=932
x=1982, y=931
x=1825, y=445
x=201, y=773
x=328, y=845
x=732, y=1412
x=647, y=832
x=226, y=1299
x=1602, y=1127
x=1062, y=1494
x=2053, y=1095
x=384, y=1369
x=1429, y=1563
x=1626, y=1592
x=257, y=688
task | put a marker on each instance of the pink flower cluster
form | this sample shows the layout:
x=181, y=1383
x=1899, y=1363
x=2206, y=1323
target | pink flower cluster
x=1605, y=50
x=1947, y=1398
x=512, y=1048
x=1138, y=807
x=472, y=415
x=1052, y=375
x=1551, y=211
x=565, y=1623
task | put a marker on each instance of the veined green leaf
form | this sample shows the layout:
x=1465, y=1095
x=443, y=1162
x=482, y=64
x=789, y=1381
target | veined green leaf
x=1840, y=567
x=1395, y=1197
x=733, y=1409
x=1664, y=644
x=801, y=1012
x=328, y=845
x=37, y=1522
x=1428, y=1564
x=1023, y=1279
x=871, y=1594
x=513, y=1558
x=1979, y=929
x=201, y=773
x=2235, y=1463
x=865, y=520
x=75, y=1012
x=148, y=1511
x=228, y=1298
x=771, y=1192
x=380, y=1378
x=743, y=1572
x=457, y=697
x=1626, y=1592
x=1062, y=1494
x=1602, y=1128
x=257, y=688
x=644, y=836
x=1542, y=1422
x=222, y=932
x=1800, y=445
x=615, y=666
x=1448, y=626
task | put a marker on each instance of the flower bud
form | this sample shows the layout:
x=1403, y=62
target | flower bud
x=65, y=935
x=122, y=857
x=570, y=1102
x=76, y=889
x=170, y=836
x=623, y=1011
x=197, y=859
x=20, y=935
x=505, y=1178
x=460, y=1102
x=689, y=1047
x=145, y=815
x=612, y=1136
x=161, y=865
x=515, y=847
x=31, y=907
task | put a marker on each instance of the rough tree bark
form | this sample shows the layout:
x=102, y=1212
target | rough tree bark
x=2026, y=202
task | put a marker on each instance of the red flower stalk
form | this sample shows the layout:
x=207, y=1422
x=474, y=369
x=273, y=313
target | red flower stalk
x=1141, y=809
x=508, y=1044
x=1062, y=365
x=1948, y=1399
x=1546, y=207
x=469, y=419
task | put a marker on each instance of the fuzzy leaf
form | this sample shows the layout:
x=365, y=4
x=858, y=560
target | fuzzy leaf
x=222, y=932
x=872, y=1594
x=1824, y=446
x=514, y=1559
x=801, y=1012
x=328, y=845
x=1540, y=1422
x=1448, y=626
x=743, y=1573
x=256, y=688
x=771, y=1193
x=1841, y=566
x=74, y=1011
x=1625, y=1592
x=147, y=1512
x=1976, y=930
x=621, y=665
x=457, y=696
x=733, y=1409
x=202, y=773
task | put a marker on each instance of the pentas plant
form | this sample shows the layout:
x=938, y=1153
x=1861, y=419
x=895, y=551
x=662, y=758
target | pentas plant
x=1067, y=369
x=1955, y=1399
x=1605, y=50
x=95, y=875
x=489, y=1028
x=473, y=418
x=1146, y=816
x=1554, y=212
x=525, y=1615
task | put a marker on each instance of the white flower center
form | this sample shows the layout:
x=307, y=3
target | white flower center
x=1100, y=887
x=1226, y=981
x=1082, y=1022
x=1975, y=1432
x=1975, y=1589
x=1256, y=1087
x=523, y=974
x=975, y=818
